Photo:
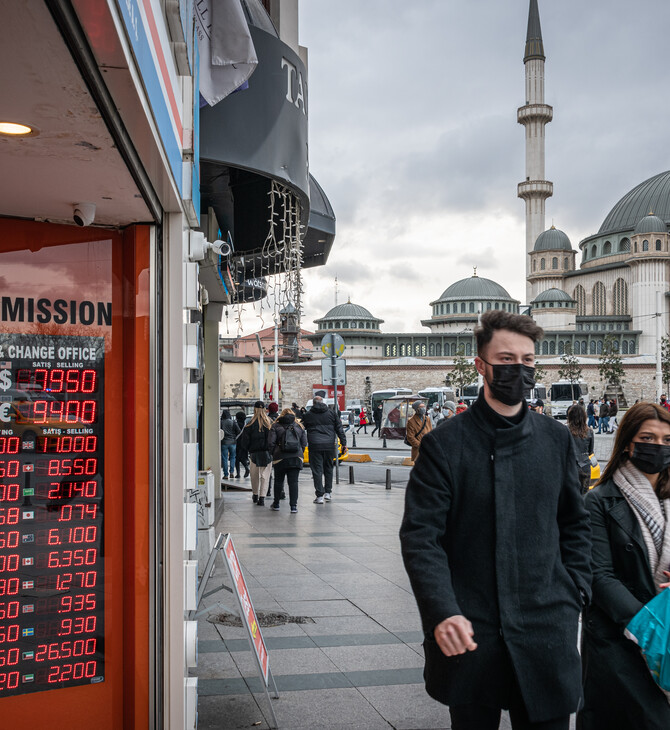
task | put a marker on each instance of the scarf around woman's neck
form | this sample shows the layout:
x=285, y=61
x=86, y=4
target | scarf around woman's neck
x=651, y=514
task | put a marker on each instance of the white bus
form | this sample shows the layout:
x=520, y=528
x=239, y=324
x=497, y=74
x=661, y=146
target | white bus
x=379, y=395
x=564, y=393
x=437, y=395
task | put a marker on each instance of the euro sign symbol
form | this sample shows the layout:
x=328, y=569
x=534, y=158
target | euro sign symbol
x=5, y=380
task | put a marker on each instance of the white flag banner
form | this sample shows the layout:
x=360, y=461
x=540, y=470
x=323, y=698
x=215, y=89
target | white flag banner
x=227, y=53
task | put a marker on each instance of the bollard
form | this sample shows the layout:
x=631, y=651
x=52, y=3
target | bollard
x=388, y=478
x=384, y=444
x=351, y=475
x=353, y=443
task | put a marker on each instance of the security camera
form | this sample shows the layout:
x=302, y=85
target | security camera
x=222, y=248
x=84, y=213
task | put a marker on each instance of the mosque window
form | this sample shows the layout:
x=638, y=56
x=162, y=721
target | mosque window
x=423, y=350
x=561, y=347
x=594, y=251
x=631, y=347
x=488, y=305
x=472, y=306
x=542, y=264
x=338, y=325
x=565, y=263
x=620, y=297
x=462, y=306
x=607, y=248
x=615, y=346
x=534, y=264
x=468, y=349
x=453, y=348
x=402, y=350
x=618, y=325
x=554, y=262
x=635, y=246
x=431, y=349
x=583, y=347
x=448, y=310
x=361, y=325
x=592, y=347
x=645, y=245
x=658, y=244
x=624, y=347
x=537, y=348
x=552, y=347
x=599, y=299
x=394, y=350
x=438, y=349
x=417, y=349
x=496, y=305
x=579, y=295
x=545, y=348
x=624, y=245
x=599, y=347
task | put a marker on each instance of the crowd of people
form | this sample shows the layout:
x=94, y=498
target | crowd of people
x=507, y=543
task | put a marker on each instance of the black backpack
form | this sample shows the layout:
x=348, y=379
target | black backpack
x=290, y=442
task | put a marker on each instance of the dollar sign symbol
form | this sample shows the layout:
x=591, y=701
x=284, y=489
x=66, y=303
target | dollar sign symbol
x=5, y=380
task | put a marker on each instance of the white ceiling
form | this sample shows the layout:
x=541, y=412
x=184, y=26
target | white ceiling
x=73, y=159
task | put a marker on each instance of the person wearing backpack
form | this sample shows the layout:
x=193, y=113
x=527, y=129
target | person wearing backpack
x=286, y=443
x=230, y=431
x=323, y=428
x=254, y=439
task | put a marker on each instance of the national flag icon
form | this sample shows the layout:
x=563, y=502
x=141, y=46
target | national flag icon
x=28, y=515
x=28, y=677
x=28, y=632
x=27, y=445
x=30, y=537
x=25, y=655
x=29, y=467
x=6, y=365
x=28, y=608
x=28, y=561
x=27, y=584
x=28, y=492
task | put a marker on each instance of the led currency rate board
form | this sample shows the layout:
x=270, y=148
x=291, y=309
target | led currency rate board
x=51, y=512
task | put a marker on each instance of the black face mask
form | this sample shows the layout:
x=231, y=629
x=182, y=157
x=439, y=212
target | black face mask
x=651, y=458
x=511, y=383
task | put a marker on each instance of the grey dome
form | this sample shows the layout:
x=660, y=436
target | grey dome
x=552, y=240
x=350, y=311
x=475, y=287
x=553, y=295
x=652, y=194
x=651, y=224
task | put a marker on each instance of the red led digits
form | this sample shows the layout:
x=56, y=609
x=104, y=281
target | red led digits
x=57, y=380
x=9, y=444
x=9, y=515
x=9, y=539
x=9, y=563
x=9, y=657
x=9, y=680
x=66, y=467
x=65, y=490
x=67, y=444
x=9, y=492
x=9, y=609
x=68, y=558
x=9, y=634
x=65, y=535
x=41, y=412
x=9, y=586
x=79, y=670
x=9, y=468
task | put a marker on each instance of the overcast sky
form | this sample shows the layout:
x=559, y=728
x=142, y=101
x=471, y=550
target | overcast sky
x=413, y=136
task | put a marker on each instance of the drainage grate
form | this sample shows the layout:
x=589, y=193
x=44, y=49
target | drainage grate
x=265, y=619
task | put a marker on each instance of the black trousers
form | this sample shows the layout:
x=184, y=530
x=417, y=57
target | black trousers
x=291, y=473
x=476, y=717
x=321, y=463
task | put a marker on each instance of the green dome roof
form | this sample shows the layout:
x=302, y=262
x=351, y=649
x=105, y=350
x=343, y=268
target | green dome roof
x=552, y=240
x=475, y=287
x=652, y=194
x=553, y=295
x=651, y=224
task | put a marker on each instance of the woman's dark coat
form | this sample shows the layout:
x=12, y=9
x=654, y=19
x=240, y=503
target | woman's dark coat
x=275, y=440
x=495, y=530
x=619, y=692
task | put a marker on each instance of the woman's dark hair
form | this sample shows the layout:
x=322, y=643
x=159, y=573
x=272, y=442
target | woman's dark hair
x=628, y=428
x=577, y=422
x=225, y=414
x=497, y=319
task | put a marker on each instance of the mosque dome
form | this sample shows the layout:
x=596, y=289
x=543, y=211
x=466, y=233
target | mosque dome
x=475, y=287
x=348, y=310
x=552, y=240
x=651, y=224
x=348, y=316
x=652, y=194
x=553, y=295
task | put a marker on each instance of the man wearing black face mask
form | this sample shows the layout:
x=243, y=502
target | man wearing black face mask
x=498, y=557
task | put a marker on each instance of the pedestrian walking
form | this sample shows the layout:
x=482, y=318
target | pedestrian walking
x=664, y=402
x=323, y=428
x=604, y=416
x=590, y=414
x=273, y=411
x=377, y=418
x=461, y=407
x=254, y=439
x=362, y=422
x=287, y=442
x=630, y=518
x=241, y=455
x=596, y=415
x=351, y=420
x=417, y=427
x=584, y=441
x=448, y=410
x=230, y=431
x=435, y=414
x=499, y=563
x=613, y=410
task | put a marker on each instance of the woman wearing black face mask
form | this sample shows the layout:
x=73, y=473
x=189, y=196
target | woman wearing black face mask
x=630, y=521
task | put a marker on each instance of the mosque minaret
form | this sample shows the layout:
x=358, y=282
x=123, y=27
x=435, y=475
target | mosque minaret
x=534, y=115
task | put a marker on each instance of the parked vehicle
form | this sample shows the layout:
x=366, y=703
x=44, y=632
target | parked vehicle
x=564, y=393
x=397, y=410
x=380, y=395
x=437, y=395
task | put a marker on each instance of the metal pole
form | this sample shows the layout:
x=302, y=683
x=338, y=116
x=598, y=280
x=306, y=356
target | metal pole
x=351, y=475
x=659, y=337
x=333, y=376
x=261, y=379
x=276, y=386
x=388, y=478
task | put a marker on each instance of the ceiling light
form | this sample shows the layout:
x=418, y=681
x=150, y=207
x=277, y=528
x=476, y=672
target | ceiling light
x=11, y=129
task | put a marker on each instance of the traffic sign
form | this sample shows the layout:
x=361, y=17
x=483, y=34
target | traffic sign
x=340, y=368
x=332, y=345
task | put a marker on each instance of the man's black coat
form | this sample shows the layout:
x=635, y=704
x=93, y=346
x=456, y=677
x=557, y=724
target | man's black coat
x=619, y=692
x=323, y=425
x=495, y=530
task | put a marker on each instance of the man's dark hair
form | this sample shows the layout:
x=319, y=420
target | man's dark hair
x=496, y=319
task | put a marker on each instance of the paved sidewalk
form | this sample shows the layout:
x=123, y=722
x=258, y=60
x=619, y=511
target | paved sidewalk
x=359, y=664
